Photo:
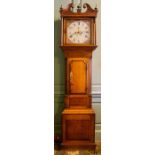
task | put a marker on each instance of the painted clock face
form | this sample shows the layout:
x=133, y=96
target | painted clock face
x=78, y=32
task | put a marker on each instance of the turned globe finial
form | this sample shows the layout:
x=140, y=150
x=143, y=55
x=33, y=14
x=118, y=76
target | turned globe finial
x=79, y=8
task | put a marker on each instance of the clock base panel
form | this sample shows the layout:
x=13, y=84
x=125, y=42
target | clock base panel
x=78, y=128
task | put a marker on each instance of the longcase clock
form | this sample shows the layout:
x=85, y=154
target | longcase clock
x=78, y=40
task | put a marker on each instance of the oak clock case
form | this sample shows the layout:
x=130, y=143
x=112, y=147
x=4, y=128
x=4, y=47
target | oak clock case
x=78, y=40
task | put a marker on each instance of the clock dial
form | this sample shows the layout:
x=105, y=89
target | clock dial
x=78, y=32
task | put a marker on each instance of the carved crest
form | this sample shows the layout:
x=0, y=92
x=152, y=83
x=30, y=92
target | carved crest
x=68, y=12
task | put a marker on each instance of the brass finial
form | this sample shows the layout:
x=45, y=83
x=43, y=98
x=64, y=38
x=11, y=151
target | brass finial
x=78, y=8
x=96, y=7
x=61, y=8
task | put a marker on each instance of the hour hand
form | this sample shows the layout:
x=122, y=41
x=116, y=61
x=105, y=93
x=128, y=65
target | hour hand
x=76, y=33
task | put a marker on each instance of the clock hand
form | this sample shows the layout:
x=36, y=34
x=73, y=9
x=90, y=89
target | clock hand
x=78, y=29
x=76, y=33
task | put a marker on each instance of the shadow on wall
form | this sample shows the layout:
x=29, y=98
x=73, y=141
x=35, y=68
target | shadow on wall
x=59, y=63
x=59, y=77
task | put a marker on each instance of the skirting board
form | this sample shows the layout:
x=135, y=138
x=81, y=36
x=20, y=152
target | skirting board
x=59, y=89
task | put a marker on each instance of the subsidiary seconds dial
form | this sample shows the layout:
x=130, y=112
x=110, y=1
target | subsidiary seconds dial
x=78, y=32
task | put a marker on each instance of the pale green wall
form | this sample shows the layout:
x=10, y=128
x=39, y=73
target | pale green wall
x=59, y=67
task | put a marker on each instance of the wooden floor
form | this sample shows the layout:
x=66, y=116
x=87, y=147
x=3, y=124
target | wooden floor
x=58, y=151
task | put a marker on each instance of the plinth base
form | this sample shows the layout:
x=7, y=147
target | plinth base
x=78, y=145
